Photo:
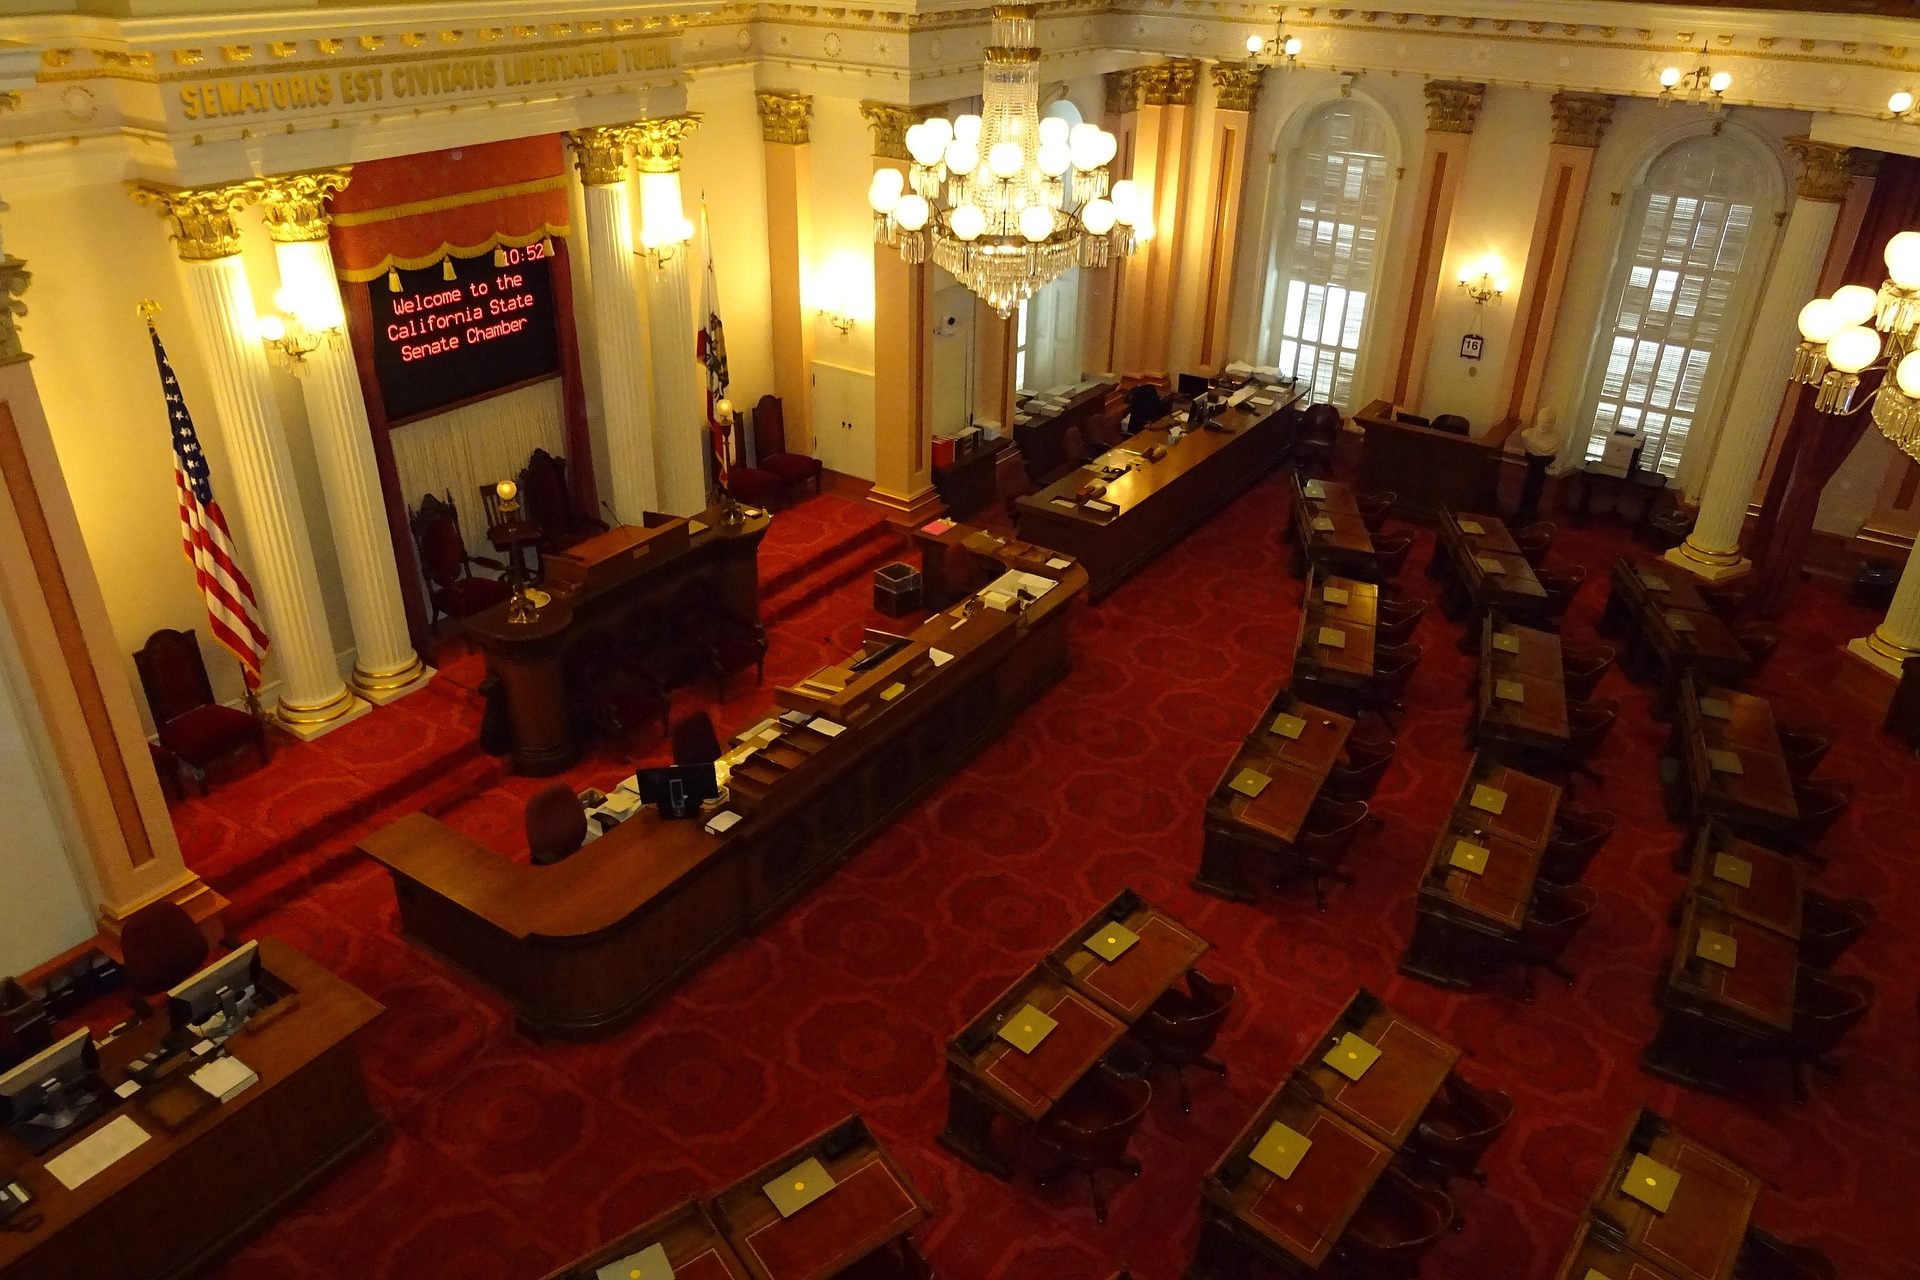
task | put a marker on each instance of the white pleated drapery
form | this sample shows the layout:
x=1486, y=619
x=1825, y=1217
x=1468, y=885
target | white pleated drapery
x=483, y=443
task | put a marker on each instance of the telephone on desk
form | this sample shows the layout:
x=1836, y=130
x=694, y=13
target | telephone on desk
x=15, y=1197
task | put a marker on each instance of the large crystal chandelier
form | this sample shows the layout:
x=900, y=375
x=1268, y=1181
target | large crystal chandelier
x=1841, y=339
x=991, y=194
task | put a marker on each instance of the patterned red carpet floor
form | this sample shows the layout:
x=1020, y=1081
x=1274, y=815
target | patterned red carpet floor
x=508, y=1157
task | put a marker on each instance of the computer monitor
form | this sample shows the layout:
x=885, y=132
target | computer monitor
x=215, y=1002
x=678, y=790
x=1193, y=385
x=53, y=1092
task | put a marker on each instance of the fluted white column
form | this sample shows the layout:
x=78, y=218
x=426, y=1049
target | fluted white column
x=385, y=665
x=1712, y=550
x=626, y=400
x=679, y=395
x=1898, y=638
x=313, y=698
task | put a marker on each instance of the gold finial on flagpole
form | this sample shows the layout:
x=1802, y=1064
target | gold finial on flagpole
x=148, y=309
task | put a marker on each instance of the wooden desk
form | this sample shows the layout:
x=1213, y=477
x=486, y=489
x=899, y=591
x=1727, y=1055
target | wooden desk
x=184, y=1198
x=1349, y=662
x=1328, y=529
x=1042, y=436
x=1538, y=721
x=1429, y=469
x=1678, y=641
x=1758, y=798
x=1388, y=1101
x=1294, y=1222
x=1711, y=1012
x=694, y=1247
x=634, y=606
x=986, y=1074
x=873, y=1204
x=1777, y=883
x=1361, y=606
x=1235, y=828
x=1156, y=503
x=1597, y=1251
x=582, y=945
x=1127, y=987
x=1699, y=1236
x=1473, y=587
x=971, y=480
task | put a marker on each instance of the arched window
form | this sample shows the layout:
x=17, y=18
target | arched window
x=1326, y=248
x=1047, y=329
x=1674, y=300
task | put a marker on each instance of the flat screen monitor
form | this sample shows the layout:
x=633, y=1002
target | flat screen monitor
x=53, y=1092
x=217, y=1000
x=1193, y=385
x=678, y=790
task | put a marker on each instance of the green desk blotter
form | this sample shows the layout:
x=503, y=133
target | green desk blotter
x=1280, y=1150
x=1111, y=940
x=1288, y=726
x=1717, y=947
x=1335, y=595
x=1322, y=524
x=1724, y=761
x=1490, y=799
x=1733, y=870
x=648, y=1264
x=1651, y=1183
x=1026, y=1028
x=1249, y=783
x=1718, y=708
x=1510, y=690
x=1679, y=622
x=1333, y=638
x=1506, y=643
x=1351, y=1056
x=1315, y=489
x=1489, y=564
x=799, y=1187
x=1469, y=856
x=1472, y=528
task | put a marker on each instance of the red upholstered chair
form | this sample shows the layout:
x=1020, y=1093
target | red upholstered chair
x=452, y=588
x=1396, y=1225
x=900, y=1260
x=166, y=766
x=1358, y=776
x=621, y=694
x=1584, y=666
x=549, y=503
x=1393, y=668
x=1089, y=1128
x=1588, y=724
x=1806, y=744
x=722, y=642
x=1181, y=1026
x=694, y=741
x=1555, y=915
x=1764, y=1256
x=1390, y=554
x=1315, y=436
x=1828, y=926
x=770, y=447
x=1395, y=620
x=556, y=824
x=1760, y=642
x=160, y=947
x=1578, y=835
x=1825, y=1007
x=1457, y=1127
x=1322, y=846
x=1535, y=541
x=1374, y=507
x=1821, y=802
x=1561, y=585
x=191, y=724
x=755, y=487
x=1726, y=600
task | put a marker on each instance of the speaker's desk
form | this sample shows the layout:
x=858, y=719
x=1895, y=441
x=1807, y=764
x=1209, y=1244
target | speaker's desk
x=579, y=946
x=174, y=1204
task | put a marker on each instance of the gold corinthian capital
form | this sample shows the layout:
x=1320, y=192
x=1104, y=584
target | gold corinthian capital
x=202, y=217
x=656, y=143
x=600, y=154
x=295, y=204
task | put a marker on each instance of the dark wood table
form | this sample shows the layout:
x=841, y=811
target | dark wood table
x=971, y=480
x=1483, y=571
x=686, y=1233
x=1328, y=530
x=1429, y=469
x=872, y=1206
x=1699, y=1235
x=1460, y=913
x=1668, y=627
x=1041, y=434
x=1153, y=504
x=1236, y=829
x=1127, y=986
x=1598, y=1251
x=1760, y=796
x=1362, y=603
x=205, y=1179
x=1389, y=1099
x=1776, y=884
x=1523, y=660
x=1711, y=1013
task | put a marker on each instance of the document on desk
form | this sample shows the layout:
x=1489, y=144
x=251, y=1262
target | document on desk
x=96, y=1152
x=940, y=657
x=1489, y=565
x=648, y=1264
x=1013, y=581
x=820, y=724
x=1472, y=528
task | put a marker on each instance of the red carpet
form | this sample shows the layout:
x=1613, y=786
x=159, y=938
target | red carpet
x=508, y=1158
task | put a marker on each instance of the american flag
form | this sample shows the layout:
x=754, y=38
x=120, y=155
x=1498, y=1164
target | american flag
x=712, y=344
x=204, y=536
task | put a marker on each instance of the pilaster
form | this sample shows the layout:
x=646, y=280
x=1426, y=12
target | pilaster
x=784, y=121
x=1453, y=106
x=903, y=475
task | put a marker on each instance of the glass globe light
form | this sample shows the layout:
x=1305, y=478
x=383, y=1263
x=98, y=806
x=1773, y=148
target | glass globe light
x=968, y=222
x=1293, y=46
x=889, y=180
x=1853, y=348
x=1124, y=195
x=940, y=127
x=1098, y=216
x=1900, y=103
x=962, y=157
x=912, y=212
x=1907, y=375
x=967, y=128
x=1055, y=158
x=1079, y=131
x=507, y=490
x=1054, y=130
x=1109, y=146
x=272, y=328
x=1086, y=151
x=1005, y=159
x=1142, y=228
x=723, y=409
x=1036, y=222
x=1819, y=320
x=1854, y=304
x=1720, y=82
x=1670, y=77
x=1255, y=43
x=925, y=145
x=1903, y=259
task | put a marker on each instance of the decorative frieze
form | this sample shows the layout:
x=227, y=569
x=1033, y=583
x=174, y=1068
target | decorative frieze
x=1579, y=119
x=1825, y=171
x=1453, y=105
x=203, y=217
x=656, y=143
x=295, y=205
x=1237, y=87
x=784, y=116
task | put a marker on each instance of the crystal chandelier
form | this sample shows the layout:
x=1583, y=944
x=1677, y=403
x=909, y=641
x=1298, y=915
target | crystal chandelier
x=1007, y=201
x=1841, y=339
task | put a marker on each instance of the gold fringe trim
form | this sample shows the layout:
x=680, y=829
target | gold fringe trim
x=459, y=199
x=360, y=275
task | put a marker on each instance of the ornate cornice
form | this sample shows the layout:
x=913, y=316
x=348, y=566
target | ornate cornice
x=203, y=217
x=889, y=124
x=656, y=143
x=1453, y=105
x=295, y=205
x=1825, y=172
x=1123, y=91
x=784, y=116
x=1237, y=88
x=1579, y=119
x=14, y=279
x=600, y=154
x=1170, y=83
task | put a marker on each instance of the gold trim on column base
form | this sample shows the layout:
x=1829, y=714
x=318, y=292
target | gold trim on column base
x=908, y=512
x=1868, y=653
x=308, y=723
x=1888, y=647
x=194, y=895
x=383, y=687
x=1714, y=566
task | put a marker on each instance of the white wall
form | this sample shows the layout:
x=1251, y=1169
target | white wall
x=43, y=900
x=722, y=160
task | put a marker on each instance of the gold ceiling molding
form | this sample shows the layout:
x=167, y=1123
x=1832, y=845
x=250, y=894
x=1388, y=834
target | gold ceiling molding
x=1453, y=105
x=202, y=218
x=295, y=204
x=889, y=124
x=784, y=116
x=1580, y=119
x=1825, y=170
x=1237, y=88
x=600, y=154
x=656, y=143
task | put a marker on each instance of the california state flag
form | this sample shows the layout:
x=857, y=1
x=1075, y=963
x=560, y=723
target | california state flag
x=712, y=345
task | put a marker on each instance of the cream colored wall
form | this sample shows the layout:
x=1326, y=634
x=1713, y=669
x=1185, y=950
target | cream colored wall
x=1493, y=214
x=722, y=159
x=840, y=273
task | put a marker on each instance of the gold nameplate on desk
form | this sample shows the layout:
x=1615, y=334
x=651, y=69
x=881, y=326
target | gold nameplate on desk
x=1651, y=1183
x=1506, y=643
x=799, y=1187
x=1351, y=1056
x=1322, y=524
x=1489, y=564
x=1026, y=1028
x=1733, y=870
x=1679, y=622
x=1469, y=856
x=1491, y=799
x=1281, y=1150
x=1510, y=690
x=1288, y=726
x=1249, y=783
x=1717, y=947
x=1724, y=761
x=648, y=1264
x=1333, y=638
x=1717, y=708
x=1472, y=527
x=1335, y=595
x=1111, y=941
x=1315, y=489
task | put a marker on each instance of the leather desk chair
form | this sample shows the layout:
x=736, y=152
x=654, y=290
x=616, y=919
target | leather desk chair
x=694, y=741
x=899, y=1261
x=1577, y=836
x=1805, y=744
x=1390, y=552
x=1726, y=600
x=1760, y=642
x=1374, y=508
x=1090, y=1127
x=724, y=643
x=1588, y=724
x=160, y=948
x=1821, y=802
x=1826, y=1006
x=1358, y=776
x=1764, y=1256
x=1583, y=666
x=1561, y=586
x=1181, y=1026
x=1828, y=926
x=1395, y=1227
x=1556, y=914
x=1315, y=436
x=622, y=695
x=1393, y=667
x=1535, y=540
x=556, y=824
x=1457, y=1128
x=1322, y=845
x=1395, y=620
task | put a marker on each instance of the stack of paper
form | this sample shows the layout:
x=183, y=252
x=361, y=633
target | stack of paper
x=96, y=1152
x=225, y=1078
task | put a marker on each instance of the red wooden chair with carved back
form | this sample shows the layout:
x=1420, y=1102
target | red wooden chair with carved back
x=549, y=504
x=452, y=588
x=195, y=728
x=770, y=447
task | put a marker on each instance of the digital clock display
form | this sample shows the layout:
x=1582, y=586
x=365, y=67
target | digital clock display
x=440, y=342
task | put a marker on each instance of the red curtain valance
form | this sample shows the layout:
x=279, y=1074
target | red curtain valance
x=412, y=211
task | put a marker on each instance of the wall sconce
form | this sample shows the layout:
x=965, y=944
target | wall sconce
x=303, y=324
x=664, y=228
x=1901, y=106
x=1490, y=284
x=838, y=318
x=1703, y=82
x=1283, y=49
